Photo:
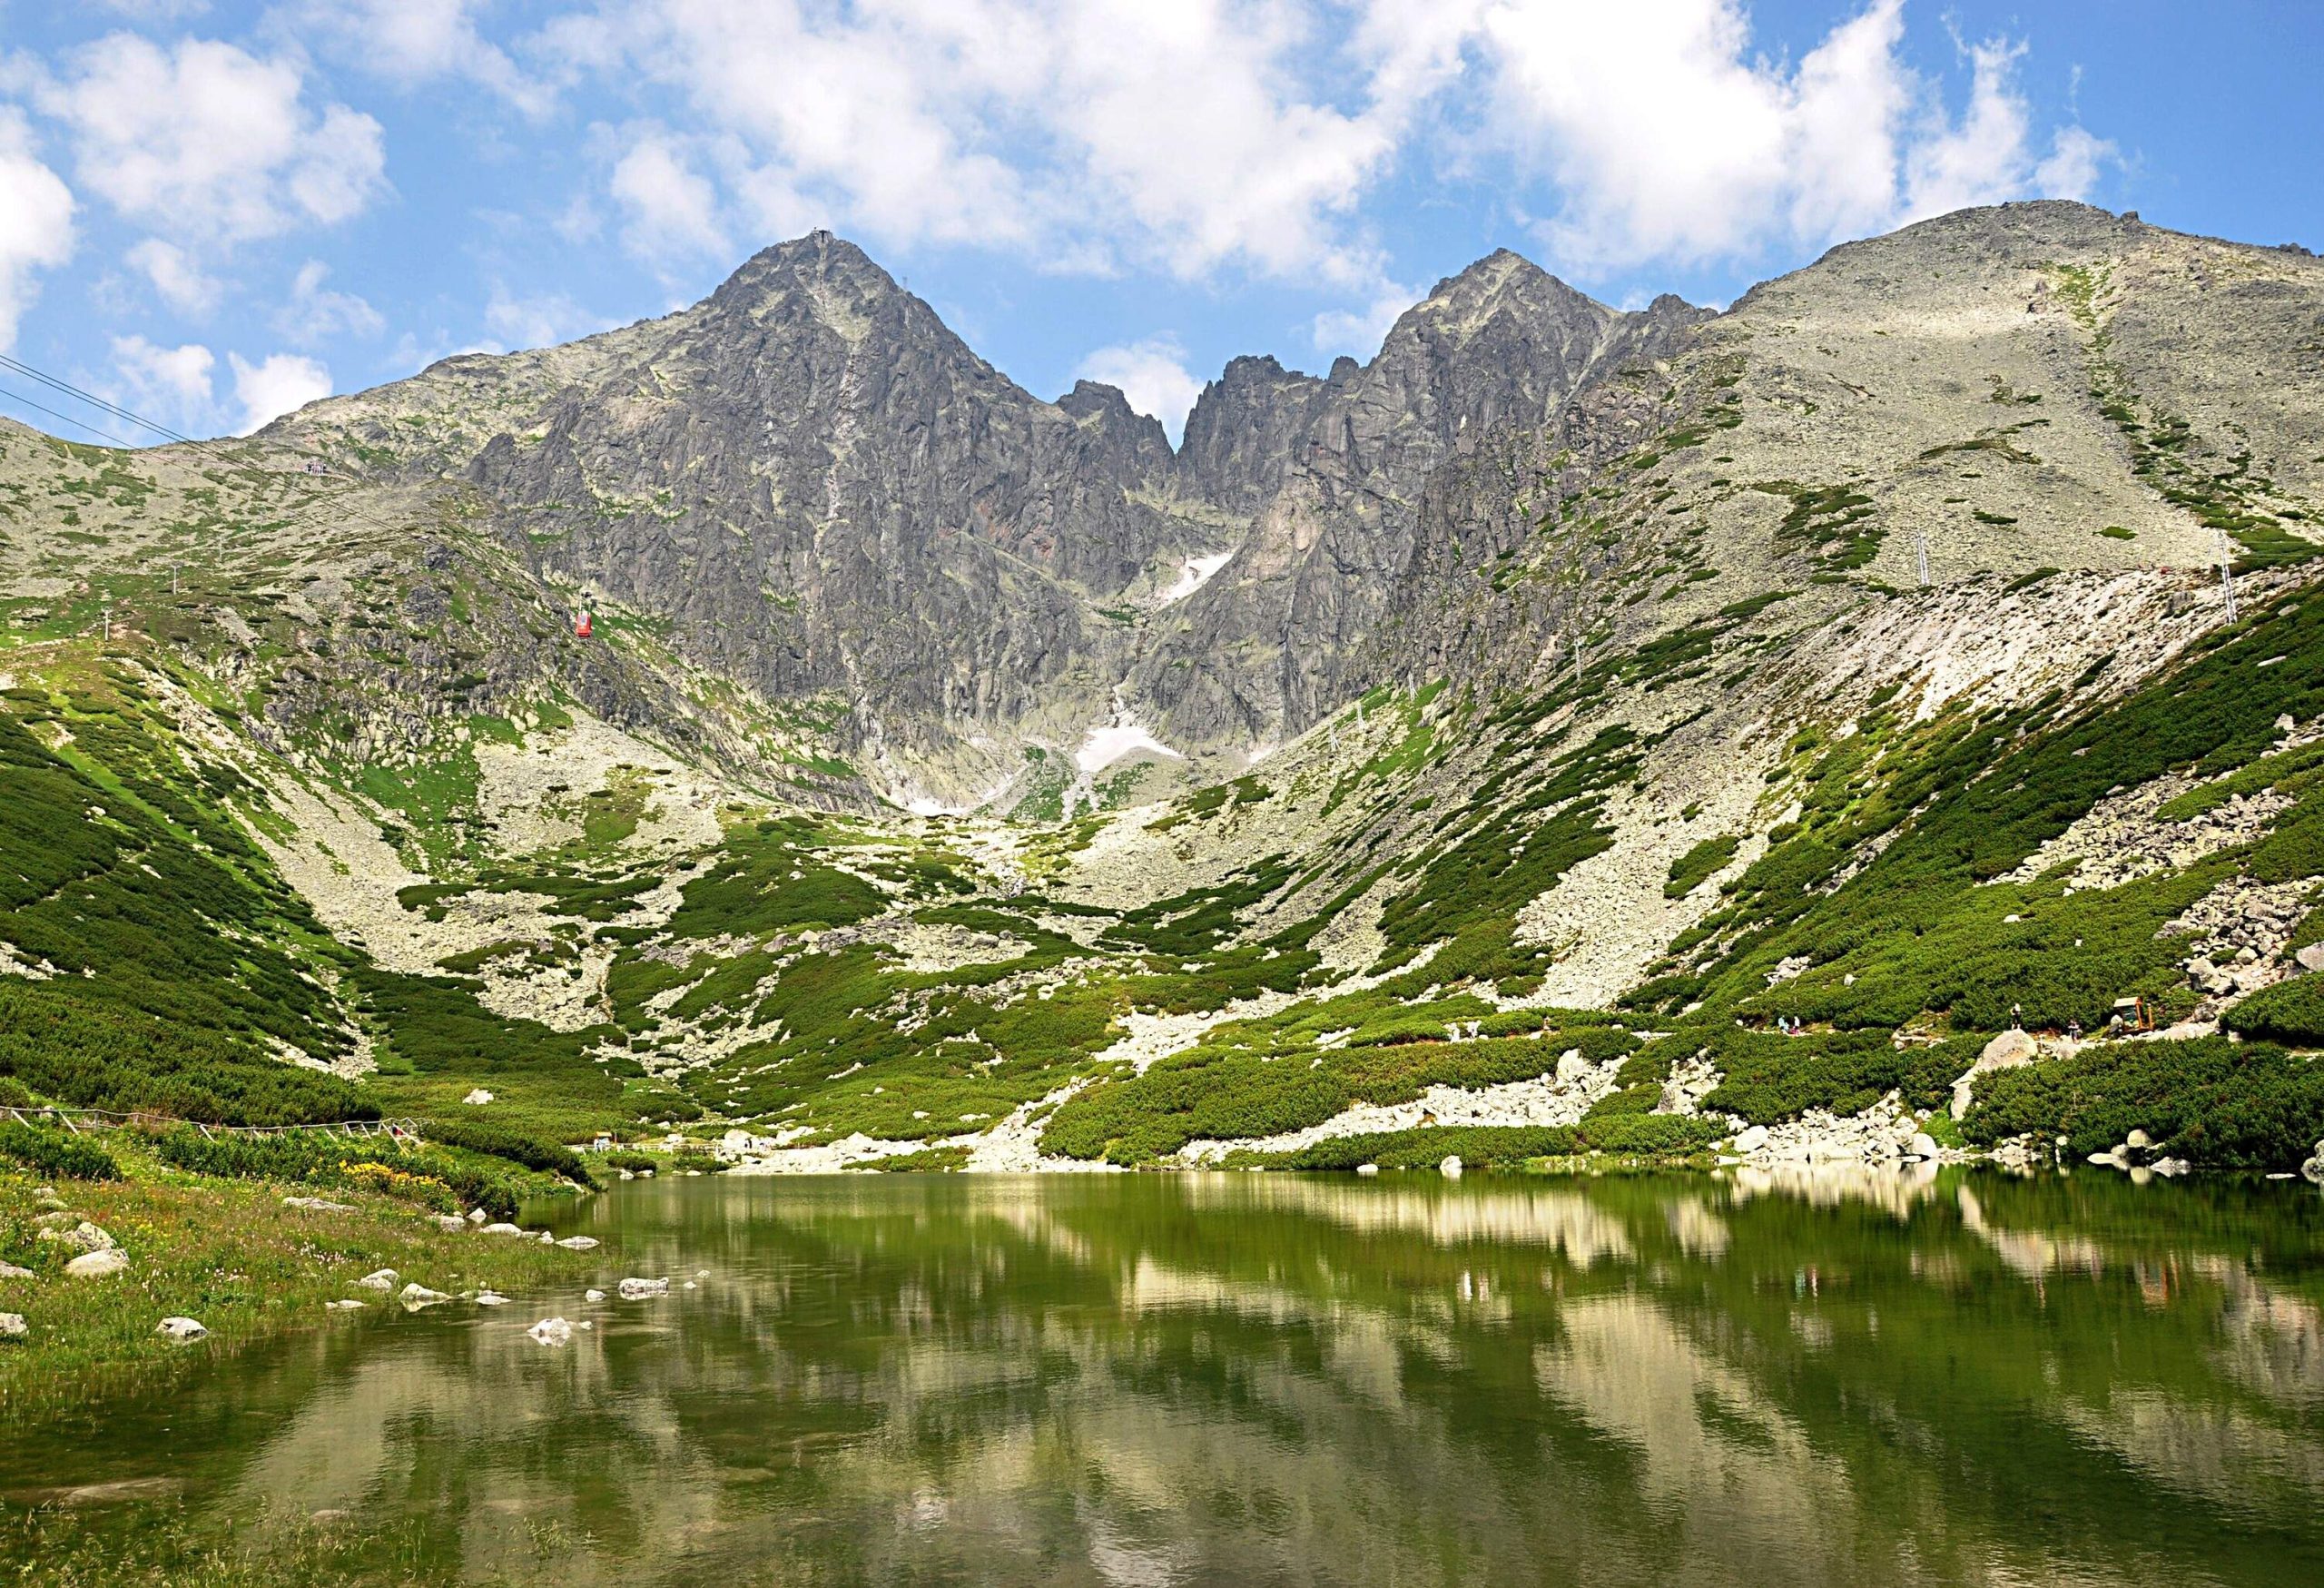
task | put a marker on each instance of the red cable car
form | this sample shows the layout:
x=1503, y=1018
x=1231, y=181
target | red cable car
x=581, y=624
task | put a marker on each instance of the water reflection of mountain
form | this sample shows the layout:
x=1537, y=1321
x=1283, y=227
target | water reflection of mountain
x=1242, y=1378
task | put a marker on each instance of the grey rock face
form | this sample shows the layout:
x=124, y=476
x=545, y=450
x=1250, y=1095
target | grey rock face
x=1268, y=647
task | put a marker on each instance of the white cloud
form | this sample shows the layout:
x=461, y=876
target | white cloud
x=182, y=282
x=1664, y=137
x=413, y=42
x=1186, y=136
x=1360, y=331
x=671, y=210
x=206, y=144
x=275, y=385
x=168, y=383
x=1152, y=374
x=538, y=321
x=316, y=312
x=35, y=221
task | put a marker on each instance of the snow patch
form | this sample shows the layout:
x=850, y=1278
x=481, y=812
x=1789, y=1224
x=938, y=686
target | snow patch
x=1101, y=747
x=1196, y=574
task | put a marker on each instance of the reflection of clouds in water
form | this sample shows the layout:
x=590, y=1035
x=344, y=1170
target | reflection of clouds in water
x=2221, y=1453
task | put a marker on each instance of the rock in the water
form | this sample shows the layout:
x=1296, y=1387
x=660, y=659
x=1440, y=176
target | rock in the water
x=181, y=1329
x=593, y=1295
x=579, y=1243
x=1751, y=1139
x=12, y=1326
x=416, y=1296
x=514, y=1229
x=2313, y=1170
x=490, y=1298
x=1451, y=1168
x=640, y=1289
x=1367, y=1170
x=318, y=1204
x=2137, y=1138
x=1922, y=1145
x=379, y=1279
x=98, y=1265
x=345, y=1305
x=552, y=1331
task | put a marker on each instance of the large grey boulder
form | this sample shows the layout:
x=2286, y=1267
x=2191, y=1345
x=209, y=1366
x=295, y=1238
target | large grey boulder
x=83, y=1237
x=2005, y=1051
x=98, y=1265
x=641, y=1289
x=183, y=1330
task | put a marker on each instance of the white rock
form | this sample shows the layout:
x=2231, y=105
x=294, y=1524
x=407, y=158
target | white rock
x=552, y=1331
x=12, y=1326
x=10, y=1271
x=181, y=1328
x=318, y=1204
x=450, y=1223
x=546, y=1238
x=579, y=1243
x=2310, y=958
x=345, y=1305
x=1367, y=1170
x=1922, y=1145
x=490, y=1298
x=84, y=1236
x=1451, y=1168
x=478, y=1098
x=593, y=1295
x=1752, y=1139
x=477, y=1216
x=416, y=1296
x=2137, y=1138
x=640, y=1289
x=98, y=1265
x=379, y=1279
x=503, y=1229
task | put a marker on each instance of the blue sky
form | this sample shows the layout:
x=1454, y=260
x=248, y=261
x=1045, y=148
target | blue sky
x=213, y=211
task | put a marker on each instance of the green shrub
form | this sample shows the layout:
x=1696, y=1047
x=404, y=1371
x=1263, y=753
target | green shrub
x=55, y=1153
x=2216, y=1103
x=499, y=1141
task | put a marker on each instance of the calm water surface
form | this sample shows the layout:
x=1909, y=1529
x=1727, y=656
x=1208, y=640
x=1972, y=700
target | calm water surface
x=1148, y=1380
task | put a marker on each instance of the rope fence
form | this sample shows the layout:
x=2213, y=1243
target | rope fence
x=78, y=1121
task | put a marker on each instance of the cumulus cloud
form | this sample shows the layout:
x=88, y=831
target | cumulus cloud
x=413, y=42
x=1665, y=136
x=275, y=385
x=1104, y=132
x=170, y=383
x=670, y=209
x=182, y=283
x=208, y=144
x=1359, y=331
x=539, y=320
x=1152, y=374
x=35, y=221
x=316, y=312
